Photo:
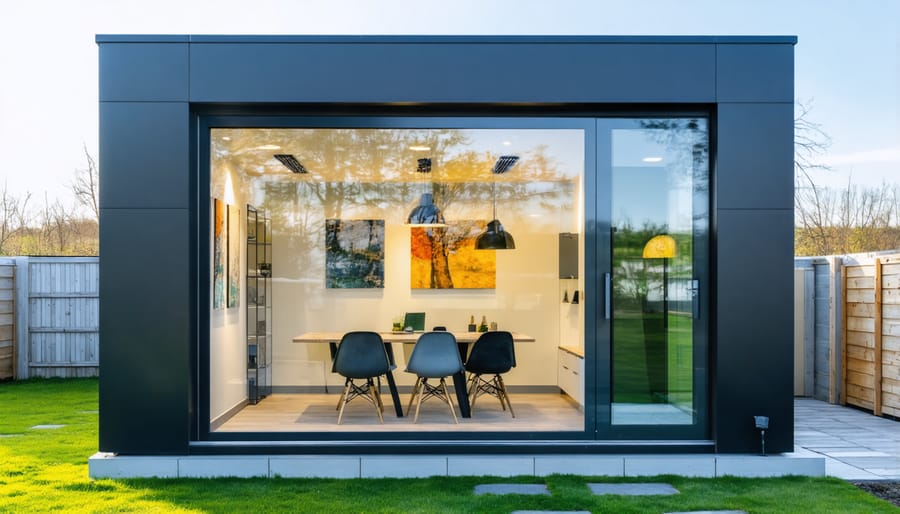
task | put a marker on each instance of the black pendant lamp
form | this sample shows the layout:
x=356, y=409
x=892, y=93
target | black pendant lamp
x=426, y=214
x=495, y=237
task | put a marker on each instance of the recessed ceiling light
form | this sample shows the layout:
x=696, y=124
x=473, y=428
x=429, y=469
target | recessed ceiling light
x=419, y=148
x=268, y=147
x=652, y=159
x=507, y=143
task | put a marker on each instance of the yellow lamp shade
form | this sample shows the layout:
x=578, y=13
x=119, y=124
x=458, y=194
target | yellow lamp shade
x=659, y=247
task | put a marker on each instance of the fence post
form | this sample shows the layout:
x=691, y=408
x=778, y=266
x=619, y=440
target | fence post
x=22, y=308
x=841, y=303
x=809, y=332
x=836, y=322
x=879, y=355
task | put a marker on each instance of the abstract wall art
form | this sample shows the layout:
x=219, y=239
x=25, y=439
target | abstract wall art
x=446, y=258
x=220, y=252
x=234, y=256
x=354, y=254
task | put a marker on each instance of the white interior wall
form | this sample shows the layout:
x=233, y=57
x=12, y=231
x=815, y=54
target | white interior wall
x=525, y=300
x=227, y=330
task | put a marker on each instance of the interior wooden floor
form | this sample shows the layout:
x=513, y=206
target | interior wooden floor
x=317, y=413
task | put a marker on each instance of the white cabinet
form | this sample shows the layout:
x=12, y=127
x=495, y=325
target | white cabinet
x=570, y=376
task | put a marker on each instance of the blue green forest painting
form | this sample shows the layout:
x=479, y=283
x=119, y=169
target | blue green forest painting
x=354, y=254
x=219, y=254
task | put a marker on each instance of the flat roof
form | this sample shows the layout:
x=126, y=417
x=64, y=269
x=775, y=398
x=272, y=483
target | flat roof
x=174, y=38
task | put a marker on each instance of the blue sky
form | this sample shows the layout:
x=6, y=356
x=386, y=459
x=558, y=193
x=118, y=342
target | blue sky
x=847, y=60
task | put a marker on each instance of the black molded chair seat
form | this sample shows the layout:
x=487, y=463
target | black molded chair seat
x=435, y=356
x=361, y=356
x=492, y=354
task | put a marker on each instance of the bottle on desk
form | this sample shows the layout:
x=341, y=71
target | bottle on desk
x=472, y=326
x=483, y=327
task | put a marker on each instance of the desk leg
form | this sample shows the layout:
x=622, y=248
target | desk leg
x=332, y=347
x=395, y=396
x=463, y=350
x=459, y=383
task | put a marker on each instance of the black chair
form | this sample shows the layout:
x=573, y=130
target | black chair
x=435, y=356
x=492, y=354
x=361, y=356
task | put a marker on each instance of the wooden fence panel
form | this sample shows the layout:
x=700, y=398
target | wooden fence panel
x=7, y=319
x=872, y=334
x=63, y=316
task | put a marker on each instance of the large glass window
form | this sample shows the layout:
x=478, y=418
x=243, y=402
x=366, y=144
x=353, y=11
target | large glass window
x=323, y=226
x=345, y=236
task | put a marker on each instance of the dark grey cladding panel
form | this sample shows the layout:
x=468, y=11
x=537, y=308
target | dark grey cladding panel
x=144, y=330
x=146, y=72
x=755, y=73
x=452, y=73
x=144, y=155
x=755, y=329
x=755, y=165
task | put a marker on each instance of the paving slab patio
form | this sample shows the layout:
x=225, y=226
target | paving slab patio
x=856, y=444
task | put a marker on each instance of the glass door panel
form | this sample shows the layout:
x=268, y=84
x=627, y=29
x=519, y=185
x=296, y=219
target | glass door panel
x=658, y=179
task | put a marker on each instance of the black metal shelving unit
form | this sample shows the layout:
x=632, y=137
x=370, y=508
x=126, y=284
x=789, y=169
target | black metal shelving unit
x=259, y=305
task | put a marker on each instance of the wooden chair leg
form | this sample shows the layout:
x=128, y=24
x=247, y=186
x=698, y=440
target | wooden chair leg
x=449, y=401
x=419, y=403
x=377, y=390
x=376, y=401
x=412, y=398
x=343, y=400
x=495, y=383
x=343, y=392
x=473, y=394
x=505, y=395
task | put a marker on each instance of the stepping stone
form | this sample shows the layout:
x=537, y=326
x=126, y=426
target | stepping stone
x=633, y=489
x=512, y=489
x=46, y=427
x=710, y=512
x=551, y=512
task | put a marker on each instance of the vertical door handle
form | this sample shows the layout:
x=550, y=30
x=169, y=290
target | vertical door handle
x=607, y=295
x=695, y=298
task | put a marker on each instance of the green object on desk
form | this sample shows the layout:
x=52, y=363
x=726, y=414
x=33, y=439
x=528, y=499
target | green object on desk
x=416, y=320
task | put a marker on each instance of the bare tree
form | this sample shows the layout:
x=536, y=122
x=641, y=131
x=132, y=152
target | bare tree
x=813, y=205
x=86, y=186
x=13, y=217
x=838, y=220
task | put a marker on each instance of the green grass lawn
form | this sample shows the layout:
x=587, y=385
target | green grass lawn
x=46, y=470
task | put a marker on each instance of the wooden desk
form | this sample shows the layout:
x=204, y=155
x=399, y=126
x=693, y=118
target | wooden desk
x=463, y=340
x=400, y=337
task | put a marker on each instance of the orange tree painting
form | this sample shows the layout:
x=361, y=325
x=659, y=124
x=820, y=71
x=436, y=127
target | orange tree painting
x=446, y=258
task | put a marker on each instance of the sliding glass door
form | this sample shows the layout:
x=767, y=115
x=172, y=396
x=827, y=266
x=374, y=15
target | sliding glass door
x=657, y=173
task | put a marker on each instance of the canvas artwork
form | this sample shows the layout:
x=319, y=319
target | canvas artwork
x=354, y=254
x=446, y=258
x=234, y=256
x=219, y=253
